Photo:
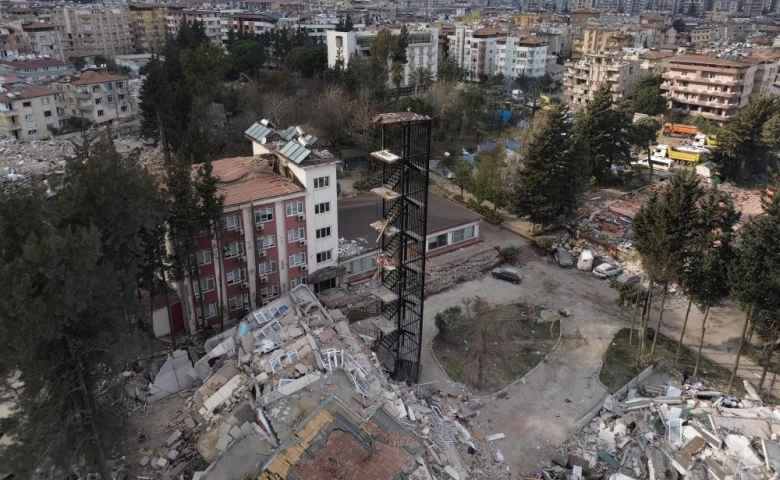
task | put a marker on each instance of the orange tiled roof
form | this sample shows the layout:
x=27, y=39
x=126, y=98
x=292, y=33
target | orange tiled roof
x=246, y=179
x=92, y=77
x=27, y=92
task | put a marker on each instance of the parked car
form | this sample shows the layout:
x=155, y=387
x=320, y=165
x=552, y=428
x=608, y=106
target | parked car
x=585, y=261
x=563, y=258
x=607, y=270
x=510, y=274
x=628, y=279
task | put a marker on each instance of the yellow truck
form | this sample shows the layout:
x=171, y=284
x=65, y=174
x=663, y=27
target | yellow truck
x=702, y=140
x=680, y=154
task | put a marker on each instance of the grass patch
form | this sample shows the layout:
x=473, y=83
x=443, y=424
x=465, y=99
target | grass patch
x=514, y=343
x=620, y=363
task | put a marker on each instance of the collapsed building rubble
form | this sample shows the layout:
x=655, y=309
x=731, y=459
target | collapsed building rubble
x=673, y=432
x=292, y=392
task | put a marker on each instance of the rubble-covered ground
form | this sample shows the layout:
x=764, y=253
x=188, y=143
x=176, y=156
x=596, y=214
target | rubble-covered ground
x=667, y=429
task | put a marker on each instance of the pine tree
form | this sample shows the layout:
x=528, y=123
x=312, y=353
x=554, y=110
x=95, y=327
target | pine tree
x=464, y=175
x=755, y=274
x=210, y=203
x=488, y=184
x=661, y=228
x=551, y=183
x=604, y=132
x=642, y=135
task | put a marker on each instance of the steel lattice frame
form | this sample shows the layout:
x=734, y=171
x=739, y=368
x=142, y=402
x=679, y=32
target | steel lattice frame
x=408, y=136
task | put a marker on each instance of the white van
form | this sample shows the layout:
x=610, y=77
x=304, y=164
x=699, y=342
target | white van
x=659, y=163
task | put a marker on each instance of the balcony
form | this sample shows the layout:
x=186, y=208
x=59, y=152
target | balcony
x=697, y=90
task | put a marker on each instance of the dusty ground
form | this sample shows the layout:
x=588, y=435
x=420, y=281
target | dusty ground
x=537, y=413
x=490, y=349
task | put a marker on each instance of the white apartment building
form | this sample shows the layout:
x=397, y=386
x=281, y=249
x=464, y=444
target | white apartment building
x=315, y=171
x=212, y=21
x=98, y=97
x=422, y=51
x=94, y=30
x=28, y=113
x=489, y=51
x=584, y=77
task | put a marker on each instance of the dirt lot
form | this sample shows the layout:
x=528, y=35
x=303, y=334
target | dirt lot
x=489, y=350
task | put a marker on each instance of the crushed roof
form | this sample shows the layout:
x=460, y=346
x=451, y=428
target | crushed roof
x=92, y=77
x=27, y=92
x=246, y=179
x=37, y=63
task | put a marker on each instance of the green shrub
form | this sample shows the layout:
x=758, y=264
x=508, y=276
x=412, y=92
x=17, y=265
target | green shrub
x=544, y=241
x=444, y=319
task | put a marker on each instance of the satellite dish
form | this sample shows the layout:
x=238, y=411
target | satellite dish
x=262, y=140
x=299, y=130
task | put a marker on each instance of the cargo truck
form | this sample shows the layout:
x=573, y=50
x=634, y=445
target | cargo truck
x=679, y=130
x=680, y=154
x=701, y=140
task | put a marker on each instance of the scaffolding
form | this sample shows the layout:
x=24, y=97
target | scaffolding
x=405, y=151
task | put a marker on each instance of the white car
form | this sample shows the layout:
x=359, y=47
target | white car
x=606, y=270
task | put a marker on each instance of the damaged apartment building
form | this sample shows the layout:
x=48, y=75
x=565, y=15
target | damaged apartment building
x=292, y=393
x=279, y=225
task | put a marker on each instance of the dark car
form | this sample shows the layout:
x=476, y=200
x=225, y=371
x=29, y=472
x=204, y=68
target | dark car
x=628, y=279
x=510, y=274
x=563, y=258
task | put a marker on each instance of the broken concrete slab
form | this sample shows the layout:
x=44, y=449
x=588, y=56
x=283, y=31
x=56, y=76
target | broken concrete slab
x=494, y=437
x=173, y=438
x=452, y=473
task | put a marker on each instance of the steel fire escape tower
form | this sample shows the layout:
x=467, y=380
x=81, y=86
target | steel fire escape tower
x=405, y=151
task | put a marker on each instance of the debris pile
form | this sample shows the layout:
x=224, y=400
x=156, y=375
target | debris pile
x=36, y=158
x=671, y=432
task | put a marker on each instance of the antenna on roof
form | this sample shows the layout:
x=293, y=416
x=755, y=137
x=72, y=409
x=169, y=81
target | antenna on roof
x=299, y=130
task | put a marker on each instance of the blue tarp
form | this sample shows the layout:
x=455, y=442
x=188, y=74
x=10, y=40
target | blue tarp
x=485, y=146
x=470, y=158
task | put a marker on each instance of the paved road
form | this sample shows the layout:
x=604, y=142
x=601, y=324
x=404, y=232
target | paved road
x=535, y=416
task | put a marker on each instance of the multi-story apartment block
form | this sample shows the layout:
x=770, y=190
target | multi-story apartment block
x=767, y=68
x=255, y=258
x=585, y=76
x=315, y=171
x=489, y=51
x=98, y=97
x=95, y=30
x=147, y=22
x=422, y=50
x=211, y=20
x=35, y=71
x=712, y=88
x=600, y=40
x=248, y=23
x=279, y=227
x=45, y=39
x=29, y=113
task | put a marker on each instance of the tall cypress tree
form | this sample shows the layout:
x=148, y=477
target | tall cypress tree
x=554, y=174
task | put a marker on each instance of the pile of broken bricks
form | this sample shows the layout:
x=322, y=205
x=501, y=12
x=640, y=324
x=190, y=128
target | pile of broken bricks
x=675, y=432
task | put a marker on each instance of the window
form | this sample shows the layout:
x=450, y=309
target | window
x=236, y=276
x=203, y=257
x=100, y=113
x=122, y=97
x=110, y=99
x=109, y=86
x=292, y=356
x=231, y=222
x=297, y=259
x=322, y=208
x=463, y=234
x=321, y=182
x=324, y=256
x=276, y=363
x=360, y=265
x=269, y=292
x=295, y=234
x=263, y=215
x=264, y=268
x=208, y=311
x=32, y=132
x=294, y=208
x=118, y=85
x=98, y=101
x=30, y=117
x=233, y=249
x=297, y=281
x=95, y=89
x=266, y=241
x=238, y=302
x=437, y=241
x=45, y=100
x=26, y=104
x=123, y=108
x=206, y=285
x=47, y=113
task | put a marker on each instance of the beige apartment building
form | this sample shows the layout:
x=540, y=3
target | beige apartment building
x=98, y=97
x=585, y=76
x=29, y=113
x=599, y=40
x=45, y=39
x=712, y=88
x=147, y=21
x=95, y=30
